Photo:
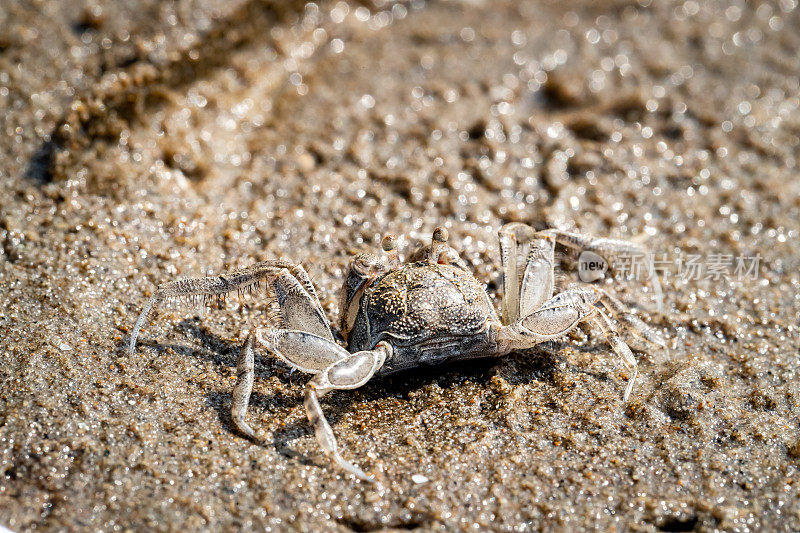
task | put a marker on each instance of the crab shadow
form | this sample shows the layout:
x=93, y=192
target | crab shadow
x=223, y=353
x=538, y=364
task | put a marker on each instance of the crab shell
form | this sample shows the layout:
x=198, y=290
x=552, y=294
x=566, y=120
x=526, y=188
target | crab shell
x=430, y=312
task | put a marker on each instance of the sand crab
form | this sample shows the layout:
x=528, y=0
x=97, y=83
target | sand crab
x=427, y=311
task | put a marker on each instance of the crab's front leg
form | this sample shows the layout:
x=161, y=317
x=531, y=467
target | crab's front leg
x=335, y=369
x=524, y=294
x=350, y=373
x=299, y=349
x=563, y=312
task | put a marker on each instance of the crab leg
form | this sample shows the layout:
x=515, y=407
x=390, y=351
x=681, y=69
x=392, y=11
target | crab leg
x=639, y=328
x=619, y=347
x=335, y=369
x=552, y=320
x=245, y=372
x=349, y=373
x=561, y=314
x=603, y=246
x=300, y=307
x=537, y=279
x=302, y=350
x=299, y=349
x=509, y=238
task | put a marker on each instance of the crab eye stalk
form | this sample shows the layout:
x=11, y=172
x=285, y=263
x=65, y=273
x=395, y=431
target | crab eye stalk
x=439, y=245
x=389, y=245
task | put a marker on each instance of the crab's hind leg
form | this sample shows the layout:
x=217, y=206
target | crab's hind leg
x=523, y=292
x=604, y=246
x=301, y=350
x=635, y=325
x=245, y=372
x=620, y=348
x=349, y=373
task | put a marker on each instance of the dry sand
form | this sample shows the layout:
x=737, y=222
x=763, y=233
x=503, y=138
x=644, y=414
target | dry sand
x=146, y=140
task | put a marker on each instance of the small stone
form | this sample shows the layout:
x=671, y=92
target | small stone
x=306, y=162
x=419, y=479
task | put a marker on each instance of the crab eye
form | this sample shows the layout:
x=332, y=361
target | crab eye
x=389, y=243
x=367, y=265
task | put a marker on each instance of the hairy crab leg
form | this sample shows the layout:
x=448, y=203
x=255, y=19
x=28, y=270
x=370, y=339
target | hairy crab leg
x=289, y=281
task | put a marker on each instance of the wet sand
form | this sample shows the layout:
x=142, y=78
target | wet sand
x=145, y=141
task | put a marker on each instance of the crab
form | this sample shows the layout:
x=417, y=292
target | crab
x=427, y=311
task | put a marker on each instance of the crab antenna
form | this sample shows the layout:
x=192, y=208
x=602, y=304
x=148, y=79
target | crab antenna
x=439, y=243
x=389, y=245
